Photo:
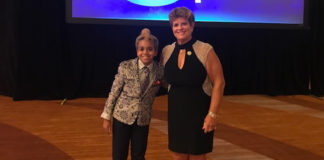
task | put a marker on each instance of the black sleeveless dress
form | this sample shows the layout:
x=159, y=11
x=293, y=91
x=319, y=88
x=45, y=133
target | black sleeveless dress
x=188, y=104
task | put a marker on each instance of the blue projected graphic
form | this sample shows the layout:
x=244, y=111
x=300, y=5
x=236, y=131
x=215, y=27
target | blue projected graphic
x=247, y=11
x=153, y=3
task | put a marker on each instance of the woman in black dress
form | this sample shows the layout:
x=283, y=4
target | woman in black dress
x=196, y=80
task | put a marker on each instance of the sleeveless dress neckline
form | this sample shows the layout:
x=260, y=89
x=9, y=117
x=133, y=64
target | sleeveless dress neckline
x=186, y=45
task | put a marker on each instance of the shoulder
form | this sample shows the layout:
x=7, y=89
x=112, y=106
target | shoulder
x=168, y=48
x=127, y=65
x=202, y=47
x=166, y=53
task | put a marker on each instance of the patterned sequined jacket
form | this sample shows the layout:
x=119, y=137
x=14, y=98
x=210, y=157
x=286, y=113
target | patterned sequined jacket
x=125, y=101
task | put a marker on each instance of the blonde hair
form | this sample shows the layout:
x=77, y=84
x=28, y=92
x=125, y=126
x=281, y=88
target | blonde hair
x=181, y=12
x=146, y=35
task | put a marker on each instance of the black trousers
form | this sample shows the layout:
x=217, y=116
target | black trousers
x=123, y=134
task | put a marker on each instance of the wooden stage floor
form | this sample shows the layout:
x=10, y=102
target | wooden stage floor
x=251, y=127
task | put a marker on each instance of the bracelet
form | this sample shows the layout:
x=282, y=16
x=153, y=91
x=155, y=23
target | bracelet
x=212, y=115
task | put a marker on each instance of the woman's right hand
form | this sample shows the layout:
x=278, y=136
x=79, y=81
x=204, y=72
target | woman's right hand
x=107, y=126
x=209, y=124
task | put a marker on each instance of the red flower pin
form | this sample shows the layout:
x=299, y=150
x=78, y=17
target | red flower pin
x=157, y=82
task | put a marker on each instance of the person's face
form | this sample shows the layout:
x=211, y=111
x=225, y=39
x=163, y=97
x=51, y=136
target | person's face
x=146, y=51
x=182, y=30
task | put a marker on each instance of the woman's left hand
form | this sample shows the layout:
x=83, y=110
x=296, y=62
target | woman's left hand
x=209, y=124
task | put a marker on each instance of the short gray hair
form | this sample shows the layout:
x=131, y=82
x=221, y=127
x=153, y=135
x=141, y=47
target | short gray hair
x=181, y=12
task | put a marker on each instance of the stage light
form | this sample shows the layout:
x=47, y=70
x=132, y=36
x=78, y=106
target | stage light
x=153, y=3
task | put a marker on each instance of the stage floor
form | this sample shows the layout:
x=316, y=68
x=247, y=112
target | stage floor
x=251, y=127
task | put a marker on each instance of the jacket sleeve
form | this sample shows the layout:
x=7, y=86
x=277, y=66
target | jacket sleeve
x=114, y=93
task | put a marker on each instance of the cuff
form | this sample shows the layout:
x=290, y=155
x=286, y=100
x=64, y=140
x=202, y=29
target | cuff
x=104, y=115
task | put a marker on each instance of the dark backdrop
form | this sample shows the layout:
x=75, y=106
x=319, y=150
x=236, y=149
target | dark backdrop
x=42, y=57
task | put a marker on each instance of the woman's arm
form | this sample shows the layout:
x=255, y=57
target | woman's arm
x=215, y=73
x=162, y=62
